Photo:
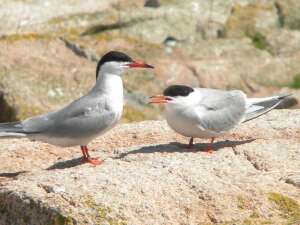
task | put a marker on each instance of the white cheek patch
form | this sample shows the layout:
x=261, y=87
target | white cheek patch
x=125, y=65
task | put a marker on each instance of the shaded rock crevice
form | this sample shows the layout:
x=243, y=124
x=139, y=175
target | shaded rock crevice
x=79, y=51
x=160, y=183
x=97, y=29
x=253, y=162
x=194, y=72
x=26, y=211
x=280, y=14
x=242, y=155
x=8, y=113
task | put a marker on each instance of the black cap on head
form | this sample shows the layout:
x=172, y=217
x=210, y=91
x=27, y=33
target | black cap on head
x=178, y=90
x=113, y=56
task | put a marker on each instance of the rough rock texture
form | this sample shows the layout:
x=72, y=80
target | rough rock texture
x=38, y=76
x=48, y=55
x=205, y=19
x=149, y=177
x=21, y=16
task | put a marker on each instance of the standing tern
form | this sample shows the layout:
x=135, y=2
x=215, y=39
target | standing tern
x=209, y=113
x=85, y=118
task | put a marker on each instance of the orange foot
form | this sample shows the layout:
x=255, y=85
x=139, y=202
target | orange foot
x=94, y=161
x=210, y=151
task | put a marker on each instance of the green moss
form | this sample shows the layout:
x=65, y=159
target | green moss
x=8, y=113
x=3, y=209
x=27, y=37
x=112, y=36
x=15, y=104
x=75, y=16
x=131, y=114
x=170, y=2
x=71, y=24
x=103, y=213
x=136, y=78
x=243, y=18
x=31, y=203
x=289, y=208
x=296, y=82
x=295, y=25
x=63, y=220
x=254, y=215
x=258, y=40
x=253, y=219
x=135, y=114
x=241, y=202
x=26, y=219
x=258, y=221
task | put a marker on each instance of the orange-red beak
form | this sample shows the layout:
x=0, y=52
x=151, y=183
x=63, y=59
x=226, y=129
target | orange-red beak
x=159, y=99
x=140, y=65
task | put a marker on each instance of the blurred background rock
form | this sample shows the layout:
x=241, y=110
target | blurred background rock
x=49, y=49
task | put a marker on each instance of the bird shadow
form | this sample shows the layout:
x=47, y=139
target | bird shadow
x=67, y=164
x=173, y=147
x=12, y=174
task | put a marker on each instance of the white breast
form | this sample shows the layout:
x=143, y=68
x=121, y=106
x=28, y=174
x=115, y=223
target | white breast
x=184, y=121
x=114, y=92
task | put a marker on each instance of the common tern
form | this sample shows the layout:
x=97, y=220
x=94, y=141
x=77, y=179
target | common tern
x=209, y=113
x=85, y=118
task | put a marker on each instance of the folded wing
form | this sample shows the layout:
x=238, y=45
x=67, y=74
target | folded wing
x=220, y=111
x=85, y=116
x=257, y=107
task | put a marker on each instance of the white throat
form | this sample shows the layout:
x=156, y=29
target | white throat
x=110, y=85
x=108, y=82
x=110, y=77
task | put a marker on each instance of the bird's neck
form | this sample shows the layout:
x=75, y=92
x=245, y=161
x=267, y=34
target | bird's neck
x=110, y=84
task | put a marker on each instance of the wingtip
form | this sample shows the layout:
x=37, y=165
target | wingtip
x=283, y=96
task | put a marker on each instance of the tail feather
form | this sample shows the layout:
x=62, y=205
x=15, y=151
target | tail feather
x=260, y=106
x=14, y=129
x=11, y=135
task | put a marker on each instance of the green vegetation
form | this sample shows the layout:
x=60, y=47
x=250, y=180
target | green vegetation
x=289, y=208
x=241, y=202
x=256, y=219
x=170, y=2
x=8, y=113
x=258, y=40
x=70, y=24
x=294, y=24
x=253, y=219
x=75, y=16
x=103, y=213
x=296, y=82
x=62, y=220
x=3, y=209
x=13, y=105
x=27, y=37
x=132, y=114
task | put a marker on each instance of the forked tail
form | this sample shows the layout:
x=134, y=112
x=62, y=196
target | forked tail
x=260, y=106
x=14, y=129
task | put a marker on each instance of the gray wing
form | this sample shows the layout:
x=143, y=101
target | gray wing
x=220, y=111
x=87, y=115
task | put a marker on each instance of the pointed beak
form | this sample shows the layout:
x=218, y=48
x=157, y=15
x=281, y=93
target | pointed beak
x=159, y=99
x=140, y=65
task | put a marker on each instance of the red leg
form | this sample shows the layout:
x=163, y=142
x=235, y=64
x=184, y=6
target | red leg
x=191, y=143
x=87, y=157
x=83, y=152
x=210, y=149
x=87, y=152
